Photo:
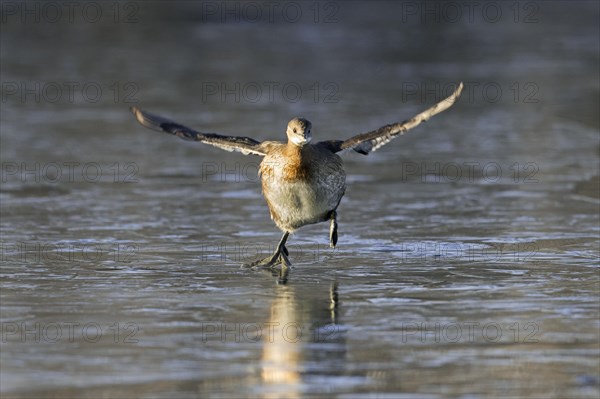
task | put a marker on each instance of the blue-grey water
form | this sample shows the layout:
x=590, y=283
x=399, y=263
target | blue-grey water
x=467, y=262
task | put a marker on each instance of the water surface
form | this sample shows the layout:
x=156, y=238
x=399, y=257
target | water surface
x=467, y=263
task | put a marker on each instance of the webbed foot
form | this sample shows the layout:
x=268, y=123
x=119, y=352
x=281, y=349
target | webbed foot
x=280, y=256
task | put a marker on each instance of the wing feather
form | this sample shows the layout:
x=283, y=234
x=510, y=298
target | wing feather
x=245, y=145
x=367, y=142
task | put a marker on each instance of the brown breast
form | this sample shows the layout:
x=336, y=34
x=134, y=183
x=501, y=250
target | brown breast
x=296, y=166
x=290, y=160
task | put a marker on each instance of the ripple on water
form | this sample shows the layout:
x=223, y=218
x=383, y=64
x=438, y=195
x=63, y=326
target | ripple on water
x=418, y=257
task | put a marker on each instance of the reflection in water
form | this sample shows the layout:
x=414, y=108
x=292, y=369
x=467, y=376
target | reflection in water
x=291, y=326
x=282, y=350
x=446, y=243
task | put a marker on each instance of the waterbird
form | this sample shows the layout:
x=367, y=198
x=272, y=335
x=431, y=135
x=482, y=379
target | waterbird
x=302, y=183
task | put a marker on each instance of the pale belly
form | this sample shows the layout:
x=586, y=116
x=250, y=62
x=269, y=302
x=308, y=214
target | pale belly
x=297, y=202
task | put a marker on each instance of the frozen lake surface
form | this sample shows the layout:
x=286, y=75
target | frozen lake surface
x=467, y=262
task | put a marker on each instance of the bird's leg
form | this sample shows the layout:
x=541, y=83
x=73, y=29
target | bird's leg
x=279, y=256
x=333, y=236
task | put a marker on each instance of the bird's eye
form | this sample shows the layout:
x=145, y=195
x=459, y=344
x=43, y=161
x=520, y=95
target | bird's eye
x=295, y=130
x=308, y=131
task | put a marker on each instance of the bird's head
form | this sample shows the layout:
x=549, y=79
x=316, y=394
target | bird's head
x=298, y=131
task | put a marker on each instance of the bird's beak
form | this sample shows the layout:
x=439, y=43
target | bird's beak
x=301, y=140
x=307, y=137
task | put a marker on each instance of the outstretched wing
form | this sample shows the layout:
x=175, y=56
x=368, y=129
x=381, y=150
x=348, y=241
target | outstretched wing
x=371, y=141
x=245, y=145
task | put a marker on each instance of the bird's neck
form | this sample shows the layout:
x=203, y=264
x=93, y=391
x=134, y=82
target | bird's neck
x=293, y=151
x=295, y=161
